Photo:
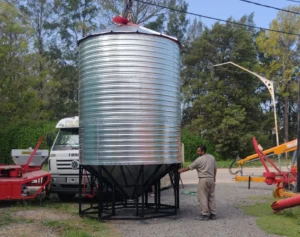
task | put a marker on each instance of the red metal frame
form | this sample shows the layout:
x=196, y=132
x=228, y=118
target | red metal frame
x=16, y=179
x=279, y=178
x=92, y=195
x=26, y=167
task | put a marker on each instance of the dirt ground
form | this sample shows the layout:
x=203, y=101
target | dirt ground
x=57, y=219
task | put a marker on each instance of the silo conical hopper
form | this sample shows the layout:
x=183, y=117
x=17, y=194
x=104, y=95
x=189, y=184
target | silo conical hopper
x=129, y=105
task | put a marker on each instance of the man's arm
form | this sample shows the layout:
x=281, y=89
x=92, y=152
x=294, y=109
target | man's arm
x=215, y=173
x=183, y=169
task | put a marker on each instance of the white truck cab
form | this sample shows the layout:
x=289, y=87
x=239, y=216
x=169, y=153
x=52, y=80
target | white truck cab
x=64, y=159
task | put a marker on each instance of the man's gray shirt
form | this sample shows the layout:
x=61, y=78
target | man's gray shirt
x=205, y=166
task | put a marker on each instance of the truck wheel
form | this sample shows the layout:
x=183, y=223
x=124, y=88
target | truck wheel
x=66, y=197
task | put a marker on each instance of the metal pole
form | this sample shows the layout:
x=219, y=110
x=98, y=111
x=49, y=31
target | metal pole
x=269, y=84
x=298, y=140
x=275, y=114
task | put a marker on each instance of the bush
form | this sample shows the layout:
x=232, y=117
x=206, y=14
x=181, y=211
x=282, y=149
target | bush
x=22, y=136
x=191, y=142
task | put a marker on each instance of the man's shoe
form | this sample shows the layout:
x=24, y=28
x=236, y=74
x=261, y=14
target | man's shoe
x=212, y=217
x=202, y=218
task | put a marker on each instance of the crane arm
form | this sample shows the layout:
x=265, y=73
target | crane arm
x=283, y=148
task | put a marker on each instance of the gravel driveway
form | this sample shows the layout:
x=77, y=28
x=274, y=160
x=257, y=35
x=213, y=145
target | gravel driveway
x=230, y=220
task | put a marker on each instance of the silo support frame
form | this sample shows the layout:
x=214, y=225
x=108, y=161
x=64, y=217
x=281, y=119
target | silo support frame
x=112, y=202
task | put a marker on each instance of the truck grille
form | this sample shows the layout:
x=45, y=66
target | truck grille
x=64, y=164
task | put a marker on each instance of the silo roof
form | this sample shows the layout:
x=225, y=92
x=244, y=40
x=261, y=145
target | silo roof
x=129, y=29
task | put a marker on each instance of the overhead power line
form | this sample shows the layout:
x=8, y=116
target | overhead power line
x=216, y=19
x=276, y=8
x=293, y=1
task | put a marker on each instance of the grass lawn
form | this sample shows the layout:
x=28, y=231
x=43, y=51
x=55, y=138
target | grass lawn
x=51, y=218
x=285, y=223
x=227, y=163
x=256, y=163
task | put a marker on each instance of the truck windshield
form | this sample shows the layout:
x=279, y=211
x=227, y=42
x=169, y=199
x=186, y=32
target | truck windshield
x=67, y=139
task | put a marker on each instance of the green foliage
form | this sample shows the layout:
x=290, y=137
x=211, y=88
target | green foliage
x=285, y=223
x=63, y=101
x=17, y=97
x=194, y=31
x=222, y=164
x=177, y=22
x=141, y=12
x=191, y=143
x=76, y=19
x=280, y=62
x=22, y=136
x=174, y=23
x=227, y=107
x=224, y=106
x=157, y=24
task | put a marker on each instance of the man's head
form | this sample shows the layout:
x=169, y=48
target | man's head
x=201, y=150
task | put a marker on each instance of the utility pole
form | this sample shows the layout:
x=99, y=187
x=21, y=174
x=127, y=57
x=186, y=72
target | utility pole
x=298, y=139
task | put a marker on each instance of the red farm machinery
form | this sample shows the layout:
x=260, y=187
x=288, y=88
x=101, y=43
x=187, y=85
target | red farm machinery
x=284, y=180
x=24, y=180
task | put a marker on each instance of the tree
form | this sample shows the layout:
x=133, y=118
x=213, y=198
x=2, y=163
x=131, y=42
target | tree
x=158, y=24
x=141, y=12
x=282, y=52
x=75, y=20
x=40, y=15
x=17, y=95
x=72, y=21
x=224, y=106
x=177, y=22
x=194, y=31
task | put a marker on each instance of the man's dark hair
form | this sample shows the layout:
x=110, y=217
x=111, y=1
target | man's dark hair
x=203, y=148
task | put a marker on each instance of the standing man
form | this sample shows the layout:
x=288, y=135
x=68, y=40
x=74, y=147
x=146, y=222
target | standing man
x=206, y=167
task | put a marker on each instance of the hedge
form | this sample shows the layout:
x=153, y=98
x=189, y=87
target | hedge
x=191, y=143
x=22, y=136
x=26, y=134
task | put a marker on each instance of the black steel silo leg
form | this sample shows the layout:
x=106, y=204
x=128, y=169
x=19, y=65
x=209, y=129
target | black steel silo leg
x=92, y=185
x=156, y=196
x=159, y=189
x=143, y=192
x=100, y=193
x=177, y=178
x=137, y=205
x=146, y=198
x=113, y=199
x=80, y=189
x=174, y=186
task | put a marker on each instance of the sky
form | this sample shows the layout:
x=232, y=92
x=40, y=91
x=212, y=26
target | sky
x=223, y=9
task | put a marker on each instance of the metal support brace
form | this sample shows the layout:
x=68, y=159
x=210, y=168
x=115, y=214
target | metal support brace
x=249, y=182
x=142, y=207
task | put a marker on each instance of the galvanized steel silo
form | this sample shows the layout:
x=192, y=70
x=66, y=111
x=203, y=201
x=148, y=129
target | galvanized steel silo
x=129, y=97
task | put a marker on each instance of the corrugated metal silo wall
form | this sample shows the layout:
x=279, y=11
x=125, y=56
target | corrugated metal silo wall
x=129, y=100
